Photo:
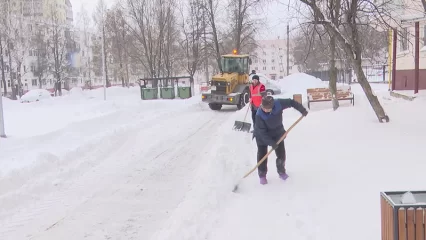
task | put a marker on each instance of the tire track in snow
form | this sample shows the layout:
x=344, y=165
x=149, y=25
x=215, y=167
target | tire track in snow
x=63, y=201
x=13, y=183
x=110, y=193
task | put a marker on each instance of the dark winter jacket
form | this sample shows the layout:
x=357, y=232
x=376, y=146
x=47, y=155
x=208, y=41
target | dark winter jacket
x=269, y=127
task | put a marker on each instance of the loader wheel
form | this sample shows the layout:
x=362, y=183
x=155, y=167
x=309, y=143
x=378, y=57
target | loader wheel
x=215, y=106
x=244, y=99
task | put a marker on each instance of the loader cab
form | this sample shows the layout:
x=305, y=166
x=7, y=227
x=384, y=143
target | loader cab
x=234, y=63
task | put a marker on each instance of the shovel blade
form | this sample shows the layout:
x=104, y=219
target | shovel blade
x=242, y=126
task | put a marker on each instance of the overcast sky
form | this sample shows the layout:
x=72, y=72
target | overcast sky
x=276, y=15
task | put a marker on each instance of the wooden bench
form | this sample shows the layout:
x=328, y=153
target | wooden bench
x=324, y=95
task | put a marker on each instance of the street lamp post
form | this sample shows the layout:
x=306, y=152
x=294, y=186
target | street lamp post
x=2, y=132
x=103, y=63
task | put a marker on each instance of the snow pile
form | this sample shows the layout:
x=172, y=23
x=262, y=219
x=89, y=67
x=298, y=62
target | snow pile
x=36, y=95
x=324, y=181
x=5, y=99
x=76, y=91
x=408, y=198
x=298, y=83
x=25, y=120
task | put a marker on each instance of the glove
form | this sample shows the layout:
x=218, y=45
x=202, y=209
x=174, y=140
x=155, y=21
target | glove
x=304, y=113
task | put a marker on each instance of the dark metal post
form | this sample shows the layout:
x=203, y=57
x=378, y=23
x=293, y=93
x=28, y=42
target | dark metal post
x=288, y=49
x=416, y=58
x=395, y=32
x=384, y=73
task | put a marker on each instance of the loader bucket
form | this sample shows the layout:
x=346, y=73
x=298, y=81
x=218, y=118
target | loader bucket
x=242, y=126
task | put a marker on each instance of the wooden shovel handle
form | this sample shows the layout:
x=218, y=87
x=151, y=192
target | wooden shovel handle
x=270, y=151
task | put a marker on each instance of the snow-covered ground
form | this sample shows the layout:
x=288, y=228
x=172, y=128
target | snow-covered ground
x=78, y=167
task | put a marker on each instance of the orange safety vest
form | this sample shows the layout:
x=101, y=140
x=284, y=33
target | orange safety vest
x=256, y=97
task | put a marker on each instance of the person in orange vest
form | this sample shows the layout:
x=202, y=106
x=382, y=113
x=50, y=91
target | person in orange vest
x=257, y=91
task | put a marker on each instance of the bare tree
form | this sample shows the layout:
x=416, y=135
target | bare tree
x=334, y=15
x=210, y=9
x=244, y=23
x=311, y=47
x=118, y=42
x=84, y=23
x=99, y=17
x=151, y=26
x=41, y=52
x=58, y=38
x=3, y=43
x=2, y=66
x=18, y=44
x=355, y=13
x=192, y=29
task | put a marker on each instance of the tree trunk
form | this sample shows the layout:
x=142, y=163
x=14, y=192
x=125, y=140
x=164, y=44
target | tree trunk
x=353, y=51
x=3, y=77
x=333, y=73
x=19, y=78
x=105, y=58
x=12, y=83
x=374, y=101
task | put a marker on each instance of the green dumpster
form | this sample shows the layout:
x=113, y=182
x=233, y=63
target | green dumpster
x=167, y=92
x=149, y=93
x=184, y=92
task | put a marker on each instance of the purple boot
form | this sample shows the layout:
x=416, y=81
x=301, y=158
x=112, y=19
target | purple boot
x=283, y=176
x=263, y=180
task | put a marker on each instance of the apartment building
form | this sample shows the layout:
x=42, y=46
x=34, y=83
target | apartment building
x=32, y=18
x=270, y=58
x=405, y=46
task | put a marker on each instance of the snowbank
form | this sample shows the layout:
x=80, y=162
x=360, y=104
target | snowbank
x=298, y=83
x=327, y=153
x=322, y=181
x=36, y=95
x=26, y=120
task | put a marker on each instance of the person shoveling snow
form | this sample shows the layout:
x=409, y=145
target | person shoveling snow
x=269, y=129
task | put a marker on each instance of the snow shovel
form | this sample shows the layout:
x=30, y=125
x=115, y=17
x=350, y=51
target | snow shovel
x=266, y=156
x=242, y=125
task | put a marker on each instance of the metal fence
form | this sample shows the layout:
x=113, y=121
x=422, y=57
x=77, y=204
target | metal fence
x=374, y=74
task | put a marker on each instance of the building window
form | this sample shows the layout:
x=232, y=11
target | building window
x=273, y=68
x=424, y=35
x=404, y=39
x=264, y=68
x=264, y=61
x=256, y=68
x=34, y=82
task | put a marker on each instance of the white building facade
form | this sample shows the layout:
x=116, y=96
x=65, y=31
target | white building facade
x=270, y=58
x=31, y=17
